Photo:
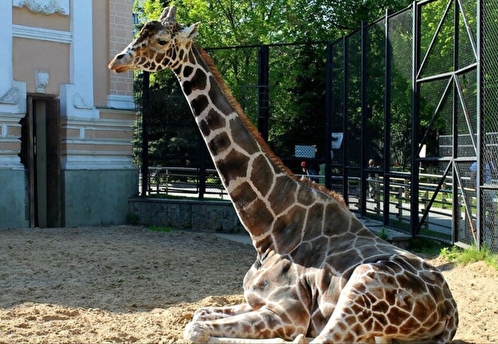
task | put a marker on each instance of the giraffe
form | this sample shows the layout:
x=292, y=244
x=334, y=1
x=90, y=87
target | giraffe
x=319, y=272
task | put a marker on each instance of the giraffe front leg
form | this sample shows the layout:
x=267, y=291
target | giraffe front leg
x=213, y=313
x=255, y=324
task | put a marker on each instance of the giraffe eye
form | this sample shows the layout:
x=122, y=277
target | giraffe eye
x=162, y=42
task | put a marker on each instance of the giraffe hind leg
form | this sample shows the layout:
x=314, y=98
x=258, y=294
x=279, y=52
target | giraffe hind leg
x=374, y=306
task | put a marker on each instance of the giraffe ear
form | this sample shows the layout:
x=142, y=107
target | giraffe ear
x=190, y=31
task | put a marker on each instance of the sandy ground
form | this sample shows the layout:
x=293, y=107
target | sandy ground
x=130, y=284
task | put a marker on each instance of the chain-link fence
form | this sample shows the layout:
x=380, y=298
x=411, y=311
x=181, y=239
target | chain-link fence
x=419, y=128
x=403, y=123
x=488, y=205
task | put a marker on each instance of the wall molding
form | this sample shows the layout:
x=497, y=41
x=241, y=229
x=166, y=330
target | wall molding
x=38, y=33
x=115, y=101
x=44, y=6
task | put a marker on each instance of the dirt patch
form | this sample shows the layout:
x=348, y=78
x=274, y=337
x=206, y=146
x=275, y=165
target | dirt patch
x=129, y=284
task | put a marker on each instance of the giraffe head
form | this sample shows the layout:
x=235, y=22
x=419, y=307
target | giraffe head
x=158, y=46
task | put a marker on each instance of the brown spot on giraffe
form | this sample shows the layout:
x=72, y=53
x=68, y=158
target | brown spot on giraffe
x=318, y=272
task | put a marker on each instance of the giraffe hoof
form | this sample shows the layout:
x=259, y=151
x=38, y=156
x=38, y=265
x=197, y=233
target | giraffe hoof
x=196, y=333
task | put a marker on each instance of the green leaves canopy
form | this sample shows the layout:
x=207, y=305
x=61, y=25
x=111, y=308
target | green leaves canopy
x=297, y=73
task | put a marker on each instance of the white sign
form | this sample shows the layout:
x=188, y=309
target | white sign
x=302, y=151
x=44, y=6
x=337, y=140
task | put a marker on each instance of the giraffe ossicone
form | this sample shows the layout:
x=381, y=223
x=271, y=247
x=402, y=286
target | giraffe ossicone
x=319, y=272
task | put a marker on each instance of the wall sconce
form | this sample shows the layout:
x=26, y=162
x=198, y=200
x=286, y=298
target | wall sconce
x=42, y=77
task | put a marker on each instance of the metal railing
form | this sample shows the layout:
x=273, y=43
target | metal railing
x=184, y=181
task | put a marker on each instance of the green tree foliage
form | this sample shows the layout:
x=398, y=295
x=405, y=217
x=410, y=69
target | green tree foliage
x=297, y=73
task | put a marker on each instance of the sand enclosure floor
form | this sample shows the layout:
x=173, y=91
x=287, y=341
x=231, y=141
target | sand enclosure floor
x=130, y=284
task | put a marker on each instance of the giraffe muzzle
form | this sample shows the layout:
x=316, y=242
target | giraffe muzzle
x=119, y=64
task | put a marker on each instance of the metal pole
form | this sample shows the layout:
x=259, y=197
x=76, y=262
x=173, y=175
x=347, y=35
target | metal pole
x=457, y=213
x=364, y=113
x=202, y=166
x=480, y=125
x=328, y=117
x=263, y=87
x=345, y=91
x=387, y=122
x=414, y=180
x=145, y=136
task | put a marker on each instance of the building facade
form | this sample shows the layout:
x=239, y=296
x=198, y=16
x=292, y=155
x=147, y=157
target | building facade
x=65, y=119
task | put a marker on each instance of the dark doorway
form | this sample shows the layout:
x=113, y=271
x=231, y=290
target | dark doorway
x=40, y=153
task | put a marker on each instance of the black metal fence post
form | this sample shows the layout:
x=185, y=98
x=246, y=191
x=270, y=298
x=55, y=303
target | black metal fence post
x=202, y=167
x=481, y=111
x=328, y=117
x=364, y=113
x=263, y=90
x=145, y=136
x=457, y=213
x=387, y=120
x=345, y=105
x=414, y=161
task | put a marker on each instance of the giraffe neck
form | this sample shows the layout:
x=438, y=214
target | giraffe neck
x=253, y=177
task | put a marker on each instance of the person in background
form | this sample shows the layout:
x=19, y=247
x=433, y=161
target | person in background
x=308, y=172
x=372, y=185
x=489, y=196
x=489, y=170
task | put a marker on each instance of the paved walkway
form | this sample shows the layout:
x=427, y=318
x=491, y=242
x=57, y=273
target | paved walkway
x=373, y=225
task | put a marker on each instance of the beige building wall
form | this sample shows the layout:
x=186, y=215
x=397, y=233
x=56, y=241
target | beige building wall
x=47, y=53
x=31, y=55
x=55, y=21
x=120, y=35
x=101, y=74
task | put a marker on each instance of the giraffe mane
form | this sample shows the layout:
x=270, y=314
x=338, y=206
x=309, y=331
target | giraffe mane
x=256, y=134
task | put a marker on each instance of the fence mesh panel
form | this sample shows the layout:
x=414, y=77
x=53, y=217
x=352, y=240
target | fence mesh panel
x=373, y=132
x=353, y=117
x=400, y=41
x=453, y=134
x=489, y=158
x=337, y=116
x=399, y=120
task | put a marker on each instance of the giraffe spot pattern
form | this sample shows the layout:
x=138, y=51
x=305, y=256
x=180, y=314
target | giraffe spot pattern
x=199, y=103
x=212, y=121
x=261, y=167
x=243, y=138
x=234, y=165
x=220, y=143
x=197, y=82
x=279, y=198
x=218, y=98
x=288, y=227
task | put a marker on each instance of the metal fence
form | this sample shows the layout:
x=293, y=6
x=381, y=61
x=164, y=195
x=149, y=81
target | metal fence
x=409, y=119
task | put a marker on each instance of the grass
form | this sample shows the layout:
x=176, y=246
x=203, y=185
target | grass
x=427, y=247
x=433, y=248
x=160, y=229
x=470, y=255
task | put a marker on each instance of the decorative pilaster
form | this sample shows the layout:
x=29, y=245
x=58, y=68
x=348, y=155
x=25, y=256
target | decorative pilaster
x=6, y=67
x=77, y=97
